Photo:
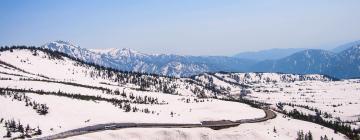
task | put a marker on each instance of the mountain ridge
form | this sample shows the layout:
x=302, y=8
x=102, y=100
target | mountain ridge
x=270, y=54
x=172, y=65
x=344, y=64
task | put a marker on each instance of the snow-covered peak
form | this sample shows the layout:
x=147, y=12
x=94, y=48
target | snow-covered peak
x=125, y=52
x=117, y=53
x=63, y=42
x=62, y=46
x=104, y=50
x=71, y=50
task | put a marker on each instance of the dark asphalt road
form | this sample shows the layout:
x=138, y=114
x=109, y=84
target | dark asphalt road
x=216, y=125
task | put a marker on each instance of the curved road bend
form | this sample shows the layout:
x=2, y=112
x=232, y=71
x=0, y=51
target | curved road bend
x=216, y=125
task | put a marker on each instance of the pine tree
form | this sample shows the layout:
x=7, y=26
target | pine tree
x=309, y=136
x=326, y=138
x=12, y=125
x=123, y=94
x=8, y=134
x=132, y=96
x=38, y=131
x=20, y=128
x=27, y=129
x=127, y=107
x=172, y=114
x=43, y=109
x=300, y=135
x=117, y=92
x=274, y=130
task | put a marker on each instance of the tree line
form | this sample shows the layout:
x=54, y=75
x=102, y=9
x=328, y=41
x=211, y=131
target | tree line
x=124, y=104
x=335, y=125
x=13, y=127
x=41, y=109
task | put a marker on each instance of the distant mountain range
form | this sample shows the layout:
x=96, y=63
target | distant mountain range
x=278, y=53
x=345, y=46
x=164, y=64
x=341, y=62
x=271, y=54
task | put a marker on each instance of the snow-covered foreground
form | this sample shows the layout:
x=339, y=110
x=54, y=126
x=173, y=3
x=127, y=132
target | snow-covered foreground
x=74, y=94
x=37, y=72
x=66, y=113
x=340, y=100
x=286, y=129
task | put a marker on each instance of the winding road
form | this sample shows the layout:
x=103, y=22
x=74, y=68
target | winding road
x=216, y=125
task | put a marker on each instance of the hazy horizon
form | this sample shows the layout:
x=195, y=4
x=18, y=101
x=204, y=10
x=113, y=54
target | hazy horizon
x=182, y=27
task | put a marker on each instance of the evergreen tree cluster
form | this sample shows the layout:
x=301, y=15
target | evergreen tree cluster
x=25, y=131
x=302, y=136
x=210, y=85
x=280, y=106
x=41, y=109
x=195, y=100
x=124, y=104
x=127, y=107
x=199, y=92
x=337, y=126
x=106, y=90
x=252, y=103
x=134, y=99
x=325, y=138
x=2, y=78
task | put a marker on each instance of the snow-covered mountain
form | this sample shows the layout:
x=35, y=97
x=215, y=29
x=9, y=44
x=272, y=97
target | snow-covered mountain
x=349, y=65
x=278, y=53
x=271, y=54
x=344, y=64
x=345, y=46
x=172, y=65
x=307, y=61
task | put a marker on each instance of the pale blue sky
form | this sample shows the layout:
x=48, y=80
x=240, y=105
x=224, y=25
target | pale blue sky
x=192, y=27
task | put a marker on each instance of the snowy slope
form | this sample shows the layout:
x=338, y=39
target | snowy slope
x=49, y=78
x=80, y=94
x=286, y=129
x=338, y=98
